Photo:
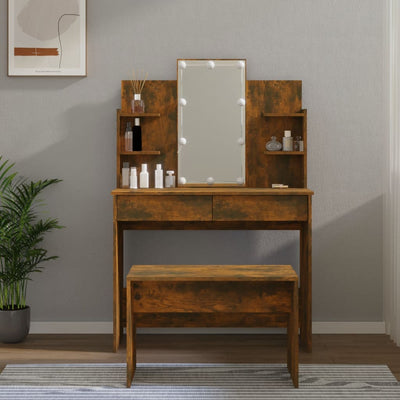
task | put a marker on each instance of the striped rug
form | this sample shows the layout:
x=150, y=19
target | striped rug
x=196, y=381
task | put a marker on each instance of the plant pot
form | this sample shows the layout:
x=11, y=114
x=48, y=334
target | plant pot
x=14, y=325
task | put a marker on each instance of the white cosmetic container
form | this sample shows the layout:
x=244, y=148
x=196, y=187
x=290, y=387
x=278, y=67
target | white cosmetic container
x=144, y=177
x=158, y=177
x=125, y=175
x=133, y=184
x=287, y=141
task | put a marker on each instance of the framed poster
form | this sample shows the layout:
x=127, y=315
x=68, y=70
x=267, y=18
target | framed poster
x=47, y=37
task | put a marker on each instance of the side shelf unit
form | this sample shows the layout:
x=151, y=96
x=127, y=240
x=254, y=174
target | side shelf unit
x=291, y=169
x=135, y=158
x=158, y=128
x=271, y=108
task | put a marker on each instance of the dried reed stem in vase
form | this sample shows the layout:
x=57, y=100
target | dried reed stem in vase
x=138, y=81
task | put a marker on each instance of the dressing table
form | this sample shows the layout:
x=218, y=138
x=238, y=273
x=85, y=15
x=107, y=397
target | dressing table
x=270, y=108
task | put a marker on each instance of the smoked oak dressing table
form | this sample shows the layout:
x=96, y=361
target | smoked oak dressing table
x=271, y=108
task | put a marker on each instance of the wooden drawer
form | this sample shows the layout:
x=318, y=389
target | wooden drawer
x=260, y=208
x=164, y=208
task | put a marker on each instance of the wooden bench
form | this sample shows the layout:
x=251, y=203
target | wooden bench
x=212, y=290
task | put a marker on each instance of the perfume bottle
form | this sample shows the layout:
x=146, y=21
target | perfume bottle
x=137, y=136
x=170, y=179
x=273, y=144
x=128, y=136
x=298, y=144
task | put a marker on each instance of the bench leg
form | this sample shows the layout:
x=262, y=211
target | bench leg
x=293, y=340
x=130, y=337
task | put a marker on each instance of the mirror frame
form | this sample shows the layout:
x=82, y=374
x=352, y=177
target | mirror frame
x=209, y=182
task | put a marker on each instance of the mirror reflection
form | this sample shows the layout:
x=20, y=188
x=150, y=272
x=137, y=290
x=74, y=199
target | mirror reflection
x=211, y=121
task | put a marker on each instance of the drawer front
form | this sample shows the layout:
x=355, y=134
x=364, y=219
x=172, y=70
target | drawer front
x=164, y=208
x=260, y=208
x=212, y=297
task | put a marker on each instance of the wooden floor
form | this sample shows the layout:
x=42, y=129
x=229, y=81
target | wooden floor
x=338, y=349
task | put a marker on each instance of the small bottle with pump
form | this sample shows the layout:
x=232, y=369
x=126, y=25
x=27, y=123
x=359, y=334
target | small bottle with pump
x=137, y=136
x=159, y=177
x=133, y=181
x=144, y=177
x=128, y=136
x=125, y=175
x=170, y=179
x=287, y=141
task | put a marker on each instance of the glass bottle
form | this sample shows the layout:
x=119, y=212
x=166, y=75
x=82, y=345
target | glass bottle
x=298, y=144
x=273, y=144
x=128, y=137
x=287, y=141
x=170, y=179
x=125, y=175
x=137, y=104
x=137, y=136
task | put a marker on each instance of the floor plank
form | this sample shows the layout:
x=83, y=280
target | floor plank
x=271, y=348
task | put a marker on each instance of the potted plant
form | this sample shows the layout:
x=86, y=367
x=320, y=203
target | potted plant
x=22, y=232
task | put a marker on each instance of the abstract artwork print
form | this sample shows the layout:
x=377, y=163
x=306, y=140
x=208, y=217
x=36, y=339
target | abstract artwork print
x=47, y=37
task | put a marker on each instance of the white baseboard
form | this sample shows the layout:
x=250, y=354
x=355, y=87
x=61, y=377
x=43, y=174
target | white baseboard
x=71, y=327
x=349, y=327
x=106, y=327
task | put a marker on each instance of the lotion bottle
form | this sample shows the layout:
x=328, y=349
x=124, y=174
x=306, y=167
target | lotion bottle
x=287, y=141
x=125, y=175
x=144, y=177
x=133, y=184
x=158, y=177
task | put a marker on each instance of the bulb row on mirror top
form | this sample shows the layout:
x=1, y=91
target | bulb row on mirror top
x=211, y=64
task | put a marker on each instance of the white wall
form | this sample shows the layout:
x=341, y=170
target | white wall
x=65, y=127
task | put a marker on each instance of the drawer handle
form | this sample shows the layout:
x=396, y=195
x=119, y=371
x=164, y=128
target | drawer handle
x=137, y=296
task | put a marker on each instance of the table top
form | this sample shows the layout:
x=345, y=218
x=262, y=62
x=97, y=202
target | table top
x=207, y=191
x=195, y=273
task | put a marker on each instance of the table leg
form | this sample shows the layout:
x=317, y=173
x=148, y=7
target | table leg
x=293, y=338
x=130, y=337
x=289, y=347
x=118, y=269
x=305, y=287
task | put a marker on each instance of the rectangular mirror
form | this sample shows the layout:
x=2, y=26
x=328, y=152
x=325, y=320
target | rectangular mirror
x=211, y=122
